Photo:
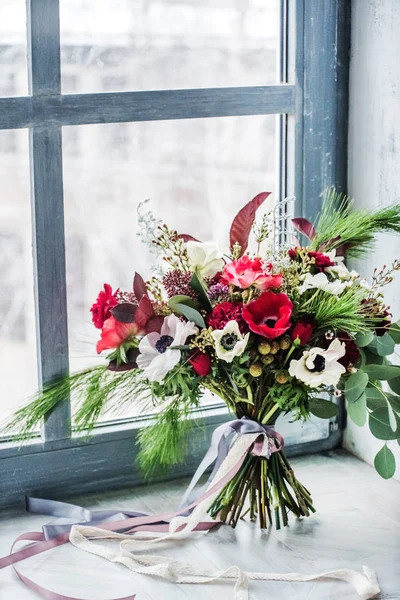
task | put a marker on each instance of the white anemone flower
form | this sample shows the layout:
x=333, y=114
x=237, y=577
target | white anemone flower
x=156, y=356
x=229, y=342
x=321, y=282
x=205, y=258
x=318, y=366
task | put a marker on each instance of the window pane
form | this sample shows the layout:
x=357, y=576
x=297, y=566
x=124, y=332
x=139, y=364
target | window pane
x=160, y=44
x=13, y=66
x=197, y=173
x=18, y=365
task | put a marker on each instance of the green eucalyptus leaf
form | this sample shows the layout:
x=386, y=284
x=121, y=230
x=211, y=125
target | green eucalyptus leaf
x=372, y=358
x=191, y=314
x=382, y=345
x=355, y=386
x=357, y=411
x=375, y=398
x=364, y=339
x=385, y=462
x=394, y=332
x=394, y=385
x=379, y=424
x=181, y=299
x=198, y=285
x=324, y=409
x=382, y=372
x=394, y=402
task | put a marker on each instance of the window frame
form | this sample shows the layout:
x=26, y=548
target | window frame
x=313, y=56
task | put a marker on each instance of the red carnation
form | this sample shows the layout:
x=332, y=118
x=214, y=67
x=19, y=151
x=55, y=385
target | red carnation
x=352, y=352
x=106, y=300
x=293, y=253
x=269, y=315
x=302, y=331
x=225, y=312
x=201, y=363
x=322, y=261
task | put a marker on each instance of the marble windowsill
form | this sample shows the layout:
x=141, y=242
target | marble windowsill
x=357, y=523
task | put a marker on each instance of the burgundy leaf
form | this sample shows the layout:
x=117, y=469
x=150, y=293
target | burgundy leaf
x=243, y=222
x=139, y=286
x=305, y=227
x=154, y=324
x=124, y=312
x=144, y=312
x=187, y=238
x=131, y=356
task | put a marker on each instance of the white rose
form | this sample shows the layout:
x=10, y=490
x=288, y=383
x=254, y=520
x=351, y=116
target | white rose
x=205, y=258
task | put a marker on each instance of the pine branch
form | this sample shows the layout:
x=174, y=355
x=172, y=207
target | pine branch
x=340, y=225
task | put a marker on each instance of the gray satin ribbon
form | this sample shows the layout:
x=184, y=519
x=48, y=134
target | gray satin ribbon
x=77, y=515
x=218, y=451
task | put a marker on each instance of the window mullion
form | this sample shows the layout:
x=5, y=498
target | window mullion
x=45, y=151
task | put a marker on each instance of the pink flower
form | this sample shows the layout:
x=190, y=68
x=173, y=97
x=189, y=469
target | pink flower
x=246, y=272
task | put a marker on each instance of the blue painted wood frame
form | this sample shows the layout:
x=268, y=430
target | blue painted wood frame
x=312, y=99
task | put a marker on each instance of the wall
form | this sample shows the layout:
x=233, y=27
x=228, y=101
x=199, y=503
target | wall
x=374, y=146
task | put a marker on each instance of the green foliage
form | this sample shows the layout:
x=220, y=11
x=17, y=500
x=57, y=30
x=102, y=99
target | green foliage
x=385, y=463
x=339, y=313
x=382, y=372
x=394, y=332
x=357, y=411
x=382, y=345
x=339, y=224
x=199, y=286
x=164, y=443
x=380, y=424
x=394, y=384
x=355, y=386
x=191, y=314
x=181, y=384
x=364, y=339
x=93, y=391
x=181, y=299
x=324, y=409
x=291, y=397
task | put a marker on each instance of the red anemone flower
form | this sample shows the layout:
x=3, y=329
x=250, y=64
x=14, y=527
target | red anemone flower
x=269, y=315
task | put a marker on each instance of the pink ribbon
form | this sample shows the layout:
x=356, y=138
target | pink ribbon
x=156, y=523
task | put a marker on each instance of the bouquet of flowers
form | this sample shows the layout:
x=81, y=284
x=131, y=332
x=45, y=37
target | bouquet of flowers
x=286, y=329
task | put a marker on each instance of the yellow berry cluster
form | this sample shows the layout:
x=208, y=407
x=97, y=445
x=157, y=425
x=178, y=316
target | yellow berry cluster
x=203, y=340
x=272, y=347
